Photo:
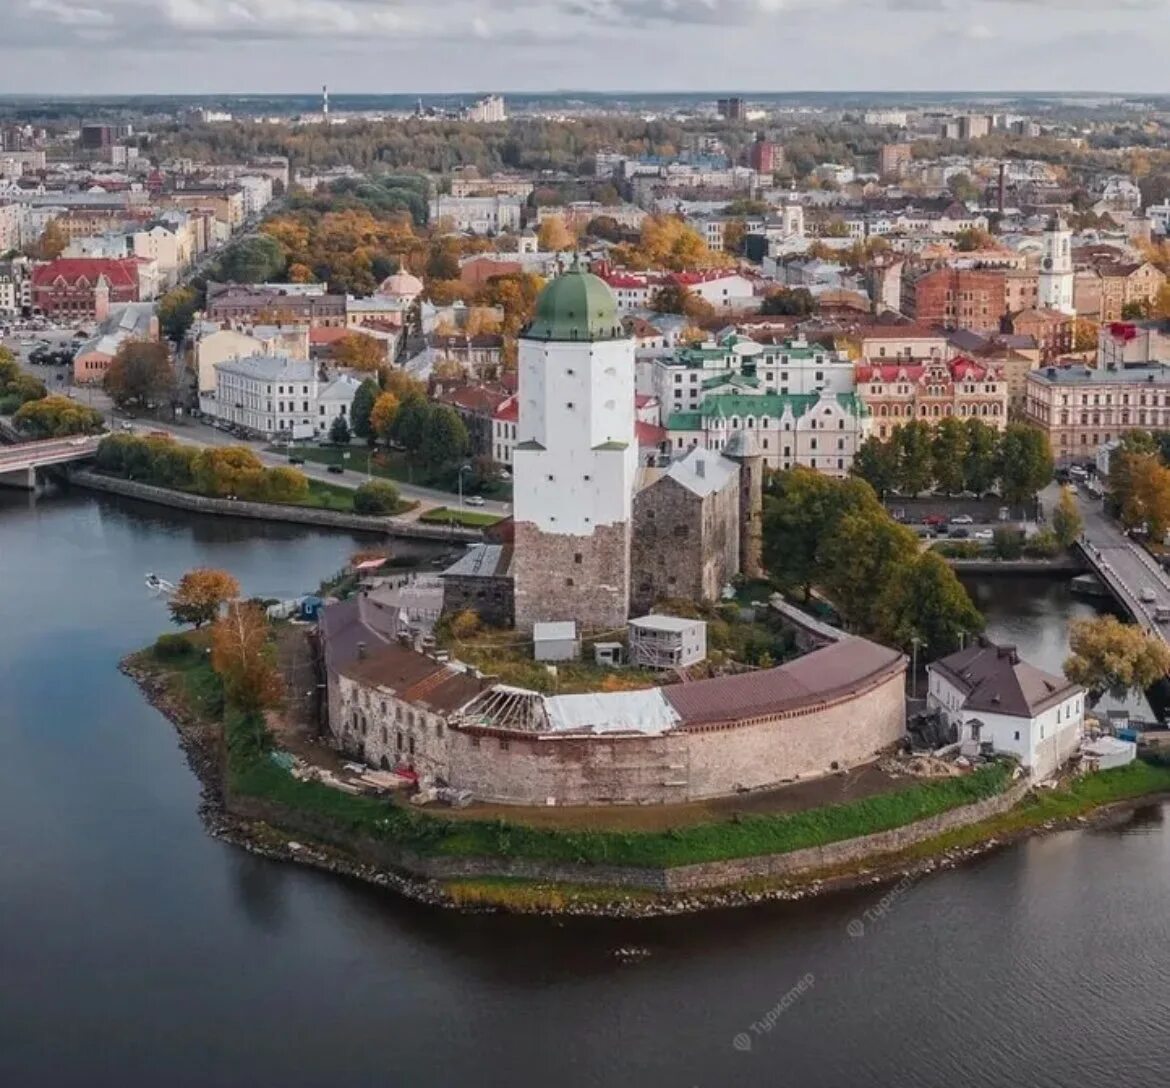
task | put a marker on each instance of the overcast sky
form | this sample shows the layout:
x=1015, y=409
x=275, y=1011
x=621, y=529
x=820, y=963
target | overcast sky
x=401, y=46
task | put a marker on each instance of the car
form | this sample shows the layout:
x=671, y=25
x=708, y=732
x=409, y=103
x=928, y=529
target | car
x=959, y=534
x=295, y=459
x=474, y=500
x=934, y=519
x=1147, y=595
x=337, y=470
x=962, y=519
x=127, y=426
x=983, y=534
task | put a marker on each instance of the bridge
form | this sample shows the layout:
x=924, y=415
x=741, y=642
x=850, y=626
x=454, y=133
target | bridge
x=1126, y=568
x=19, y=463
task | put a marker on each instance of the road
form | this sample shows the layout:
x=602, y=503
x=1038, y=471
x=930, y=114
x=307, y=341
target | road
x=60, y=380
x=1128, y=568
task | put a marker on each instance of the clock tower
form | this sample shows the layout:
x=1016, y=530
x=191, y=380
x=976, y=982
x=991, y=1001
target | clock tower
x=1055, y=283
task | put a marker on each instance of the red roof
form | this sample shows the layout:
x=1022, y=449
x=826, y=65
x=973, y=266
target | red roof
x=507, y=411
x=118, y=273
x=617, y=279
x=649, y=434
x=644, y=400
x=960, y=369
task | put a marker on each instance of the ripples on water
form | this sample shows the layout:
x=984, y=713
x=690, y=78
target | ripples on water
x=136, y=951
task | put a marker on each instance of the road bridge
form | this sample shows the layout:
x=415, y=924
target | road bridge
x=19, y=463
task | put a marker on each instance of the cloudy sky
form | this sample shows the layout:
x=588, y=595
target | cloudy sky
x=392, y=46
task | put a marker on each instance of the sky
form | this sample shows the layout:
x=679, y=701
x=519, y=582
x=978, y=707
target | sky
x=416, y=46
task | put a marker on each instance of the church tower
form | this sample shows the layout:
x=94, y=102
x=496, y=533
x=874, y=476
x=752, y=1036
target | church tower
x=1055, y=283
x=575, y=463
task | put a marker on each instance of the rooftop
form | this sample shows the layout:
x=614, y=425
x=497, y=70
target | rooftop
x=270, y=368
x=995, y=680
x=1152, y=373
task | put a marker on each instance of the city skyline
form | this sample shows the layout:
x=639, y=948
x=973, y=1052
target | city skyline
x=368, y=46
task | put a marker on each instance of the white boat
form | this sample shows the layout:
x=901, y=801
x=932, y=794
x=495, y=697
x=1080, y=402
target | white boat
x=158, y=585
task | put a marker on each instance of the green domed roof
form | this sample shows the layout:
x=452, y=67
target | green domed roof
x=575, y=306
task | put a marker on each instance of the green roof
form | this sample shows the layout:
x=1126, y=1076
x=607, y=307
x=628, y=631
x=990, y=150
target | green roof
x=771, y=405
x=575, y=306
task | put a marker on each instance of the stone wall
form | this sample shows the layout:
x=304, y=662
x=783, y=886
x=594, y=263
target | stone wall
x=566, y=577
x=684, y=545
x=266, y=511
x=681, y=879
x=492, y=599
x=682, y=765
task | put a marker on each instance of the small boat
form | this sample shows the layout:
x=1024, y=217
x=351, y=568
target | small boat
x=158, y=585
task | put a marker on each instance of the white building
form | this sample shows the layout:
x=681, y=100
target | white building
x=275, y=395
x=575, y=462
x=737, y=364
x=1057, y=278
x=213, y=344
x=991, y=696
x=723, y=290
x=666, y=642
x=479, y=214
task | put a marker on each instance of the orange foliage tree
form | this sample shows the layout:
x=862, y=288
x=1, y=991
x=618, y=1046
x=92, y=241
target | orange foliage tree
x=241, y=655
x=201, y=594
x=359, y=351
x=383, y=414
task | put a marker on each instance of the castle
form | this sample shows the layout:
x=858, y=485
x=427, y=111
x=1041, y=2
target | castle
x=596, y=533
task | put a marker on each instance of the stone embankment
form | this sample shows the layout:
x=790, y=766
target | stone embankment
x=266, y=511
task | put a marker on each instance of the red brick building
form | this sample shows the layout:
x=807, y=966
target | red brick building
x=1054, y=332
x=764, y=156
x=956, y=298
x=84, y=288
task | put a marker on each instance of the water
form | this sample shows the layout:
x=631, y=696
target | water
x=135, y=950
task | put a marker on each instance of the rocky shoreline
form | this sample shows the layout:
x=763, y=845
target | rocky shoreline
x=202, y=747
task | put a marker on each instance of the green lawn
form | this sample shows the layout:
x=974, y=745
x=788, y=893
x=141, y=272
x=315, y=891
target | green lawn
x=471, y=519
x=329, y=497
x=393, y=465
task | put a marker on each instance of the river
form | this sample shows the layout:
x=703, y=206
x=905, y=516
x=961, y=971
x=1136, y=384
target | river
x=137, y=951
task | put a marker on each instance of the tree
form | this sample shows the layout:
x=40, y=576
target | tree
x=140, y=373
x=949, y=451
x=794, y=301
x=554, y=236
x=409, y=424
x=915, y=458
x=362, y=407
x=1025, y=462
x=876, y=462
x=382, y=416
x=201, y=594
x=981, y=458
x=1116, y=658
x=734, y=233
x=924, y=600
x=339, y=431
x=56, y=417
x=966, y=241
x=861, y=554
x=963, y=188
x=445, y=438
x=1066, y=518
x=377, y=497
x=176, y=311
x=1084, y=335
x=286, y=485
x=252, y=260
x=359, y=352
x=242, y=657
x=1146, y=501
x=229, y=470
x=52, y=242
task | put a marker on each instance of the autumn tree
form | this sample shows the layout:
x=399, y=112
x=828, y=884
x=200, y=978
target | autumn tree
x=287, y=485
x=515, y=293
x=140, y=373
x=362, y=408
x=789, y=301
x=201, y=594
x=176, y=311
x=402, y=384
x=554, y=235
x=359, y=352
x=382, y=416
x=378, y=497
x=57, y=417
x=229, y=470
x=1115, y=658
x=1145, y=497
x=52, y=242
x=1085, y=335
x=1066, y=518
x=242, y=657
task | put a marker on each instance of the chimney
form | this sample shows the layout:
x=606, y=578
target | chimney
x=700, y=468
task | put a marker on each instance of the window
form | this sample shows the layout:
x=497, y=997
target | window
x=568, y=581
x=577, y=558
x=503, y=745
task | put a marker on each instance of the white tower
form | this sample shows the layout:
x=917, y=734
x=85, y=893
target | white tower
x=575, y=463
x=1055, y=283
x=325, y=102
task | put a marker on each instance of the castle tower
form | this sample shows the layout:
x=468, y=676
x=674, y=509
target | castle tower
x=1055, y=282
x=101, y=299
x=742, y=447
x=576, y=458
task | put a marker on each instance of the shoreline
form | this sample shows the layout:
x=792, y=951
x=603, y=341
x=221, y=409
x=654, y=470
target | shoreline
x=202, y=746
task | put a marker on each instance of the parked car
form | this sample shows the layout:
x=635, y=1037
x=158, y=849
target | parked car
x=983, y=534
x=962, y=519
x=1148, y=595
x=295, y=459
x=934, y=519
x=474, y=500
x=337, y=470
x=959, y=534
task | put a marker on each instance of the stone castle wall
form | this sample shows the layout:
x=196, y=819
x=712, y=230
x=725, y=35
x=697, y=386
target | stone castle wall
x=566, y=577
x=685, y=765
